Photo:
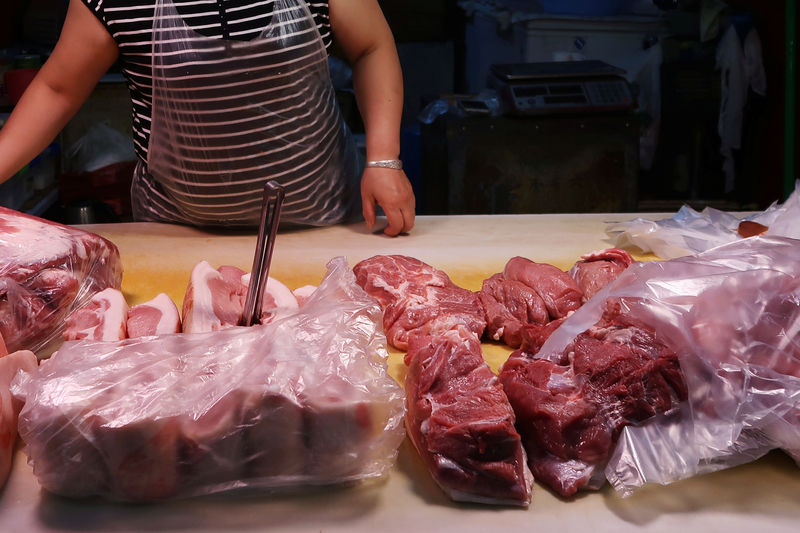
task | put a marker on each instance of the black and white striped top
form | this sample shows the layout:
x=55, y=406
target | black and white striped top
x=130, y=23
x=243, y=95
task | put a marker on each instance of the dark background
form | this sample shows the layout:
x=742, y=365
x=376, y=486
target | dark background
x=576, y=163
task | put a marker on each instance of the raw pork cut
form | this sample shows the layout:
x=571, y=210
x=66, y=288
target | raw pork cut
x=215, y=299
x=527, y=295
x=277, y=297
x=461, y=423
x=597, y=269
x=417, y=298
x=302, y=294
x=510, y=306
x=10, y=365
x=46, y=271
x=570, y=412
x=155, y=317
x=303, y=400
x=103, y=318
x=558, y=290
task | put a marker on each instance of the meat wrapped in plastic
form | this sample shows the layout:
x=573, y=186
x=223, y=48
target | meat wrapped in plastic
x=46, y=271
x=732, y=316
x=303, y=400
x=690, y=232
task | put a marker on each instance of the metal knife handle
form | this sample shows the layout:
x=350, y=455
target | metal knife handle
x=267, y=230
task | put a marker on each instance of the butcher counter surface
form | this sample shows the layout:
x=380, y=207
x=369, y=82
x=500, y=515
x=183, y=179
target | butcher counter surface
x=760, y=496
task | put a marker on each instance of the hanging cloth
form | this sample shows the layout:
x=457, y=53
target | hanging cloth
x=229, y=115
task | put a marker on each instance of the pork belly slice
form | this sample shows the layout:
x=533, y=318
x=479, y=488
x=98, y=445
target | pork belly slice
x=336, y=421
x=145, y=458
x=277, y=298
x=461, y=422
x=302, y=294
x=215, y=299
x=597, y=269
x=417, y=298
x=10, y=365
x=570, y=412
x=210, y=445
x=155, y=317
x=102, y=319
x=273, y=441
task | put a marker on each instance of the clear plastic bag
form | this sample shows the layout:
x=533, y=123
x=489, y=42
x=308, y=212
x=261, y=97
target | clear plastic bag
x=100, y=147
x=303, y=400
x=46, y=271
x=690, y=231
x=228, y=115
x=732, y=315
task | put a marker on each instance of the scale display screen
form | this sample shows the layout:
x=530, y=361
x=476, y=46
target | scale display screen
x=540, y=88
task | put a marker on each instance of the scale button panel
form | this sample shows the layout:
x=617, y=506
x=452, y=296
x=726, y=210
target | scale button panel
x=608, y=93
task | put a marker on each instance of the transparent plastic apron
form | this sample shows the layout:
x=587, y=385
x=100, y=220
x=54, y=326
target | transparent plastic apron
x=229, y=115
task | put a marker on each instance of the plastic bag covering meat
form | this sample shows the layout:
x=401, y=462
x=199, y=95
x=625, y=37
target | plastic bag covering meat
x=690, y=231
x=570, y=412
x=25, y=361
x=303, y=400
x=461, y=423
x=46, y=271
x=732, y=314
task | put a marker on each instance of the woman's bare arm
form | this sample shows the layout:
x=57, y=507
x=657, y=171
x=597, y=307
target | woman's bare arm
x=361, y=31
x=83, y=54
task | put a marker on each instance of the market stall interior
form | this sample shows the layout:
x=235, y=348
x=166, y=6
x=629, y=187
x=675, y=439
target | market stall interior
x=711, y=122
x=593, y=324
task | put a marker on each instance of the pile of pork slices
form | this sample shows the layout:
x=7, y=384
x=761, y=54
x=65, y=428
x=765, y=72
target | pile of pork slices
x=214, y=300
x=128, y=410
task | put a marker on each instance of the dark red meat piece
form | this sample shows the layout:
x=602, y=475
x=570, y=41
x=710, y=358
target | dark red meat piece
x=571, y=412
x=557, y=289
x=597, y=269
x=461, y=423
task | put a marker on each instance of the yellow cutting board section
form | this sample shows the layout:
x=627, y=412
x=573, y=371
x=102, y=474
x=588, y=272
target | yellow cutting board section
x=160, y=257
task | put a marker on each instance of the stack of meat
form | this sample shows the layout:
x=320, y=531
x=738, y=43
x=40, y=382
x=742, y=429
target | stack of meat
x=46, y=271
x=302, y=400
x=458, y=415
x=214, y=300
x=733, y=316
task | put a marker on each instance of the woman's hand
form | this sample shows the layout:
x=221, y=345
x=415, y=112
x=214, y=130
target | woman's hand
x=366, y=39
x=390, y=189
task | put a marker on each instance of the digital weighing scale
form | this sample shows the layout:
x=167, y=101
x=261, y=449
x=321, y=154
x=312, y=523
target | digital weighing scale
x=560, y=87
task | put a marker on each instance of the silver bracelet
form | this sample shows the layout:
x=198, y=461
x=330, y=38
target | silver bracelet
x=386, y=163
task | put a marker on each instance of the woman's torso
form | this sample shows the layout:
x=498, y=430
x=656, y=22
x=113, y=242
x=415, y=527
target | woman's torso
x=130, y=23
x=271, y=114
